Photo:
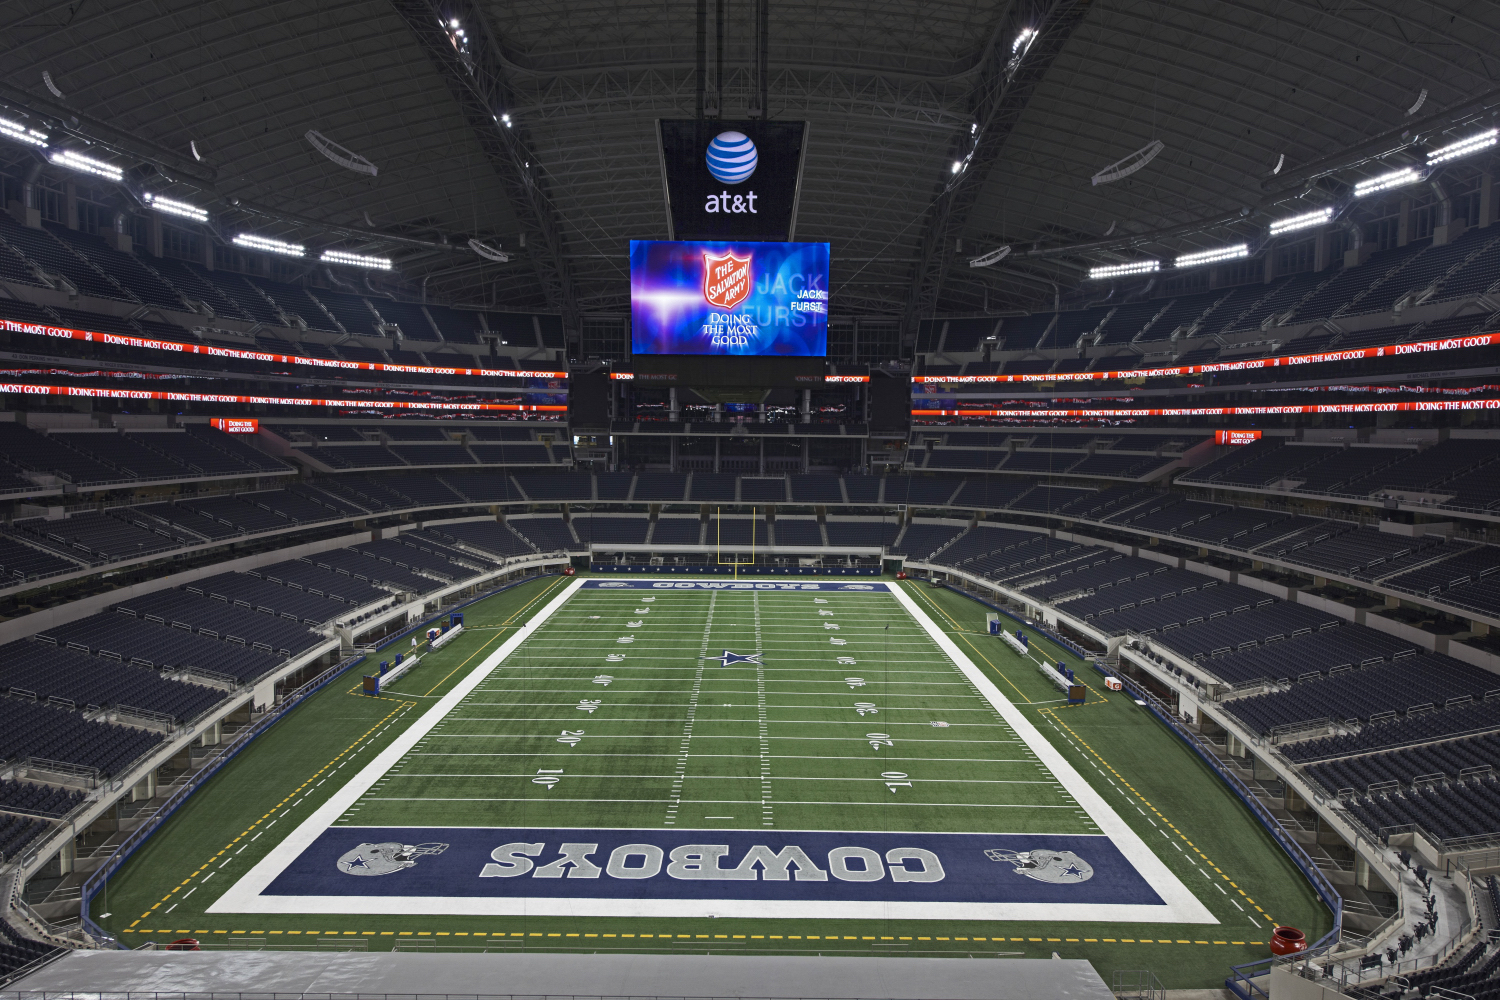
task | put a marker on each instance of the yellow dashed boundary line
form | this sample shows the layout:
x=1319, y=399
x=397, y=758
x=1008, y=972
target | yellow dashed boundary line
x=300, y=789
x=1148, y=805
x=134, y=929
x=675, y=935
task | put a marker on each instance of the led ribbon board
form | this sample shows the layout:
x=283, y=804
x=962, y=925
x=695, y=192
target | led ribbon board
x=215, y=351
x=1421, y=406
x=1355, y=354
x=729, y=299
x=731, y=179
x=86, y=392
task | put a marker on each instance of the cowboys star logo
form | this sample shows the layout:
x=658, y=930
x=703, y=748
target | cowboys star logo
x=1057, y=867
x=382, y=859
x=726, y=280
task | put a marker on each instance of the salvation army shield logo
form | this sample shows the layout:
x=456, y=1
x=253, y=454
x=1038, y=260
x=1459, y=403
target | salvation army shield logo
x=726, y=280
x=382, y=859
x=1056, y=867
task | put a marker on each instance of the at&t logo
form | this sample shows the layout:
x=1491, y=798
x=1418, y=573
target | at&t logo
x=731, y=159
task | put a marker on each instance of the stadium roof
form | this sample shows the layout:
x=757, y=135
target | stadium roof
x=895, y=93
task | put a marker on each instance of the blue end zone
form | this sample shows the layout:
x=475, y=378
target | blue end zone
x=814, y=867
x=842, y=588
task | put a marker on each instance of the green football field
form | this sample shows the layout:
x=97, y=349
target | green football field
x=575, y=729
x=829, y=726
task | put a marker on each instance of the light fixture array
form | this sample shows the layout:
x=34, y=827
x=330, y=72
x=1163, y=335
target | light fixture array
x=182, y=209
x=1120, y=270
x=1463, y=147
x=355, y=260
x=87, y=165
x=1305, y=221
x=251, y=242
x=1212, y=256
x=1394, y=179
x=20, y=133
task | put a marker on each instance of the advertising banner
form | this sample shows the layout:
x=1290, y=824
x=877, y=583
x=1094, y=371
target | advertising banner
x=731, y=179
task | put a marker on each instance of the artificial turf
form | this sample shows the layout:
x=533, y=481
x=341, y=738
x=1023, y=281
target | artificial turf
x=781, y=744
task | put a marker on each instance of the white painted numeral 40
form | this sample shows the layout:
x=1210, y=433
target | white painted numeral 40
x=614, y=657
x=893, y=780
x=847, y=661
x=878, y=740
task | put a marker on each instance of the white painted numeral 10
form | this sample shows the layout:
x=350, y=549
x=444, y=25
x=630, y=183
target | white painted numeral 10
x=893, y=780
x=547, y=778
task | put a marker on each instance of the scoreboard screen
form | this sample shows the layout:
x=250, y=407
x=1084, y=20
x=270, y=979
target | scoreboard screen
x=767, y=300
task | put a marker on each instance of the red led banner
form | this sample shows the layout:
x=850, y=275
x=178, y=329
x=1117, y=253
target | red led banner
x=236, y=425
x=212, y=397
x=1236, y=437
x=1430, y=406
x=215, y=351
x=1356, y=354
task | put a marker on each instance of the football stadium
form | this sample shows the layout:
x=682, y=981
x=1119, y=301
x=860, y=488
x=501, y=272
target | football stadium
x=733, y=499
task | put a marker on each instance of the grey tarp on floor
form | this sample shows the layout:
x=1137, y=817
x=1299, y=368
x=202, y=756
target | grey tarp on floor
x=553, y=974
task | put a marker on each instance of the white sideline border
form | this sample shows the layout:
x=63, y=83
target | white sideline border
x=245, y=895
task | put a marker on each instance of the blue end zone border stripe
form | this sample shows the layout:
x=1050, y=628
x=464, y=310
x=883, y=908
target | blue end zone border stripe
x=717, y=865
x=766, y=585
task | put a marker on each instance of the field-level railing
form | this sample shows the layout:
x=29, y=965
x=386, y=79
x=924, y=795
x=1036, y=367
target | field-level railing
x=241, y=741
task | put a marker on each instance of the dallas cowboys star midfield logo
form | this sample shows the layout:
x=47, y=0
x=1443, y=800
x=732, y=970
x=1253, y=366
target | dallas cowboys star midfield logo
x=729, y=658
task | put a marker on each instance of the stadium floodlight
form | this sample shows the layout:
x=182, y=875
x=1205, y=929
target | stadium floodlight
x=87, y=165
x=505, y=120
x=1305, y=221
x=958, y=165
x=1121, y=270
x=1023, y=40
x=20, y=133
x=251, y=242
x=1463, y=147
x=993, y=257
x=1212, y=256
x=1394, y=179
x=355, y=260
x=179, y=208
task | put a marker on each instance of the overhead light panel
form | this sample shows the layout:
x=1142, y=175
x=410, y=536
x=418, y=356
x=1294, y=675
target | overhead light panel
x=87, y=165
x=250, y=242
x=993, y=257
x=178, y=208
x=348, y=159
x=355, y=260
x=1394, y=179
x=1463, y=147
x=1212, y=256
x=1306, y=221
x=1121, y=270
x=20, y=133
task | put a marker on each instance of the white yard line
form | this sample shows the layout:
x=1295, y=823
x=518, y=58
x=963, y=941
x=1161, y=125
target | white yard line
x=245, y=896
